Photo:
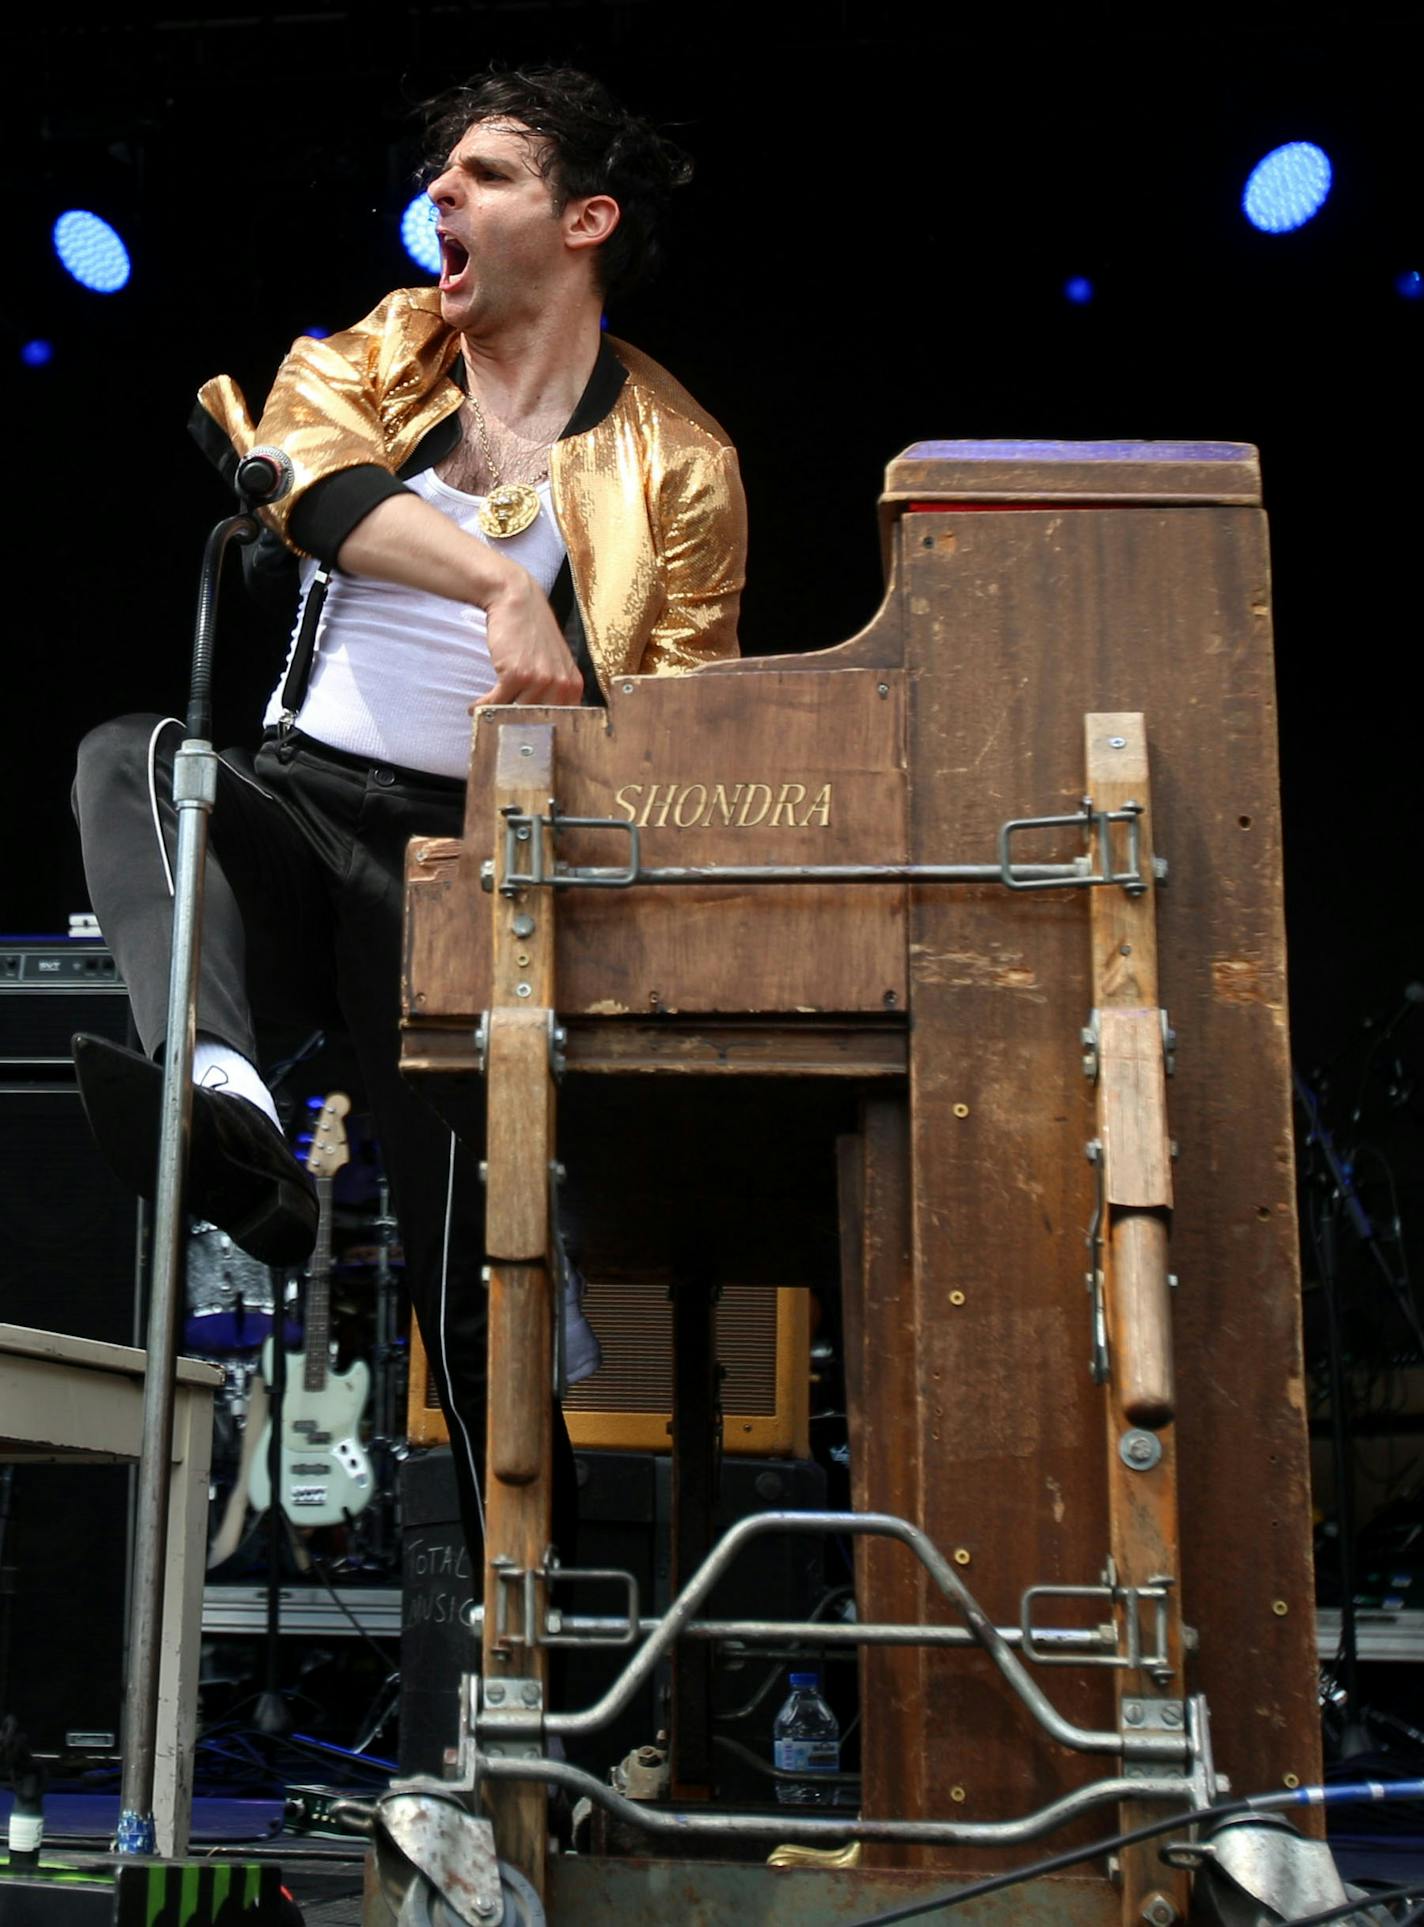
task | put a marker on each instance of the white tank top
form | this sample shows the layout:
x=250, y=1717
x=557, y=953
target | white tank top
x=396, y=669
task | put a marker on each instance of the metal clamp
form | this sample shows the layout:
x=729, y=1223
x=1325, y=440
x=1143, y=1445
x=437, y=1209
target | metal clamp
x=520, y=829
x=512, y=1579
x=628, y=1627
x=498, y=1704
x=1127, y=1652
x=1097, y=824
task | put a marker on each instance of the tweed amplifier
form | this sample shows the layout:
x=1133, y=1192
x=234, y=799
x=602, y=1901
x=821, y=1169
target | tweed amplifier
x=763, y=1343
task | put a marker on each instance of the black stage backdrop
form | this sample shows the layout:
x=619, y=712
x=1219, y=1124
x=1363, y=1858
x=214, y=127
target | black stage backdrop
x=888, y=203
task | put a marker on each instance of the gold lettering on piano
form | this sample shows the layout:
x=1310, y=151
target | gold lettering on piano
x=740, y=806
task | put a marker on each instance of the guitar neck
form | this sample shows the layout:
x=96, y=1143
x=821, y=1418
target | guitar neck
x=317, y=1343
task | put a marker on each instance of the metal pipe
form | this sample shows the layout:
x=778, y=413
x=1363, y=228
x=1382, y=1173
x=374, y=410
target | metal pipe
x=194, y=793
x=135, y=1832
x=576, y=1628
x=1173, y=1748
x=789, y=1824
x=1077, y=872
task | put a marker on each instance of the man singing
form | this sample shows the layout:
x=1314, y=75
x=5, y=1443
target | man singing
x=490, y=501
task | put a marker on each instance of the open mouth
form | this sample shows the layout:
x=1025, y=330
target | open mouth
x=454, y=259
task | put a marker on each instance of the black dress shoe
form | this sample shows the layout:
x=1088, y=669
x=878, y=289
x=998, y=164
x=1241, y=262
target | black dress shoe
x=242, y=1175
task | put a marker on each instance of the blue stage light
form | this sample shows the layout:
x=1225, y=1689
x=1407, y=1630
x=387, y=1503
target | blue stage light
x=1078, y=288
x=92, y=251
x=418, y=234
x=35, y=354
x=1410, y=284
x=1287, y=188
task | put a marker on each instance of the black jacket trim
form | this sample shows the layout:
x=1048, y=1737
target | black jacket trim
x=329, y=510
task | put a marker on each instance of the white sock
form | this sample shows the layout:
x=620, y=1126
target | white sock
x=218, y=1067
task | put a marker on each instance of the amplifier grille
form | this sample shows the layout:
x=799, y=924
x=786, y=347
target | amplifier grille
x=763, y=1345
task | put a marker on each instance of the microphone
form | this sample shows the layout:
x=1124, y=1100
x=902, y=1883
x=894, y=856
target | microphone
x=264, y=476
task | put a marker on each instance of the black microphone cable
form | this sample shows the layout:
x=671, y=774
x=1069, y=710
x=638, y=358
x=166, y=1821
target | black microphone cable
x=1351, y=1793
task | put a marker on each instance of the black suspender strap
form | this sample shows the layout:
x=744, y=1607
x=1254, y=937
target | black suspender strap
x=294, y=689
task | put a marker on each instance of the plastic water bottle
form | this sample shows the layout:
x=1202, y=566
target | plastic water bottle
x=806, y=1740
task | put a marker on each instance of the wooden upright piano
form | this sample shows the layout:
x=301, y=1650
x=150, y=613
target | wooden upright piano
x=951, y=960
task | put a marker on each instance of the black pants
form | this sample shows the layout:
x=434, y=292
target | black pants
x=304, y=892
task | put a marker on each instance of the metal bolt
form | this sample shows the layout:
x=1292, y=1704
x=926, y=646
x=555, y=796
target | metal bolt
x=1139, y=1450
x=484, y=1172
x=494, y=1752
x=526, y=749
x=530, y=1693
x=523, y=990
x=1132, y=1712
x=1158, y=1910
x=523, y=925
x=1124, y=950
x=1117, y=742
x=1171, y=1714
x=485, y=1906
x=882, y=689
x=495, y=1694
x=627, y=689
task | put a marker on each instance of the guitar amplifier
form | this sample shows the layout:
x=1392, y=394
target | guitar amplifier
x=71, y=1264
x=71, y=1230
x=763, y=1344
x=49, y=990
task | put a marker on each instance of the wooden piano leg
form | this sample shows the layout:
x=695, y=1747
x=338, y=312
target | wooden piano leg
x=519, y=1154
x=1135, y=1168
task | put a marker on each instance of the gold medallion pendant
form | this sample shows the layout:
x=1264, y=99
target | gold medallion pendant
x=509, y=509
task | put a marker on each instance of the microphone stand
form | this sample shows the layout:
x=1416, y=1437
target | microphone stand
x=194, y=793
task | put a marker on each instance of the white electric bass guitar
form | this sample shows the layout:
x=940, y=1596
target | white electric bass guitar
x=325, y=1473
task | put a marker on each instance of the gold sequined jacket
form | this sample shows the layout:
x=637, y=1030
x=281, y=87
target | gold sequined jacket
x=645, y=484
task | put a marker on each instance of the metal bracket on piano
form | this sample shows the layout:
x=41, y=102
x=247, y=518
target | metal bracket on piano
x=520, y=837
x=1132, y=1600
x=1098, y=824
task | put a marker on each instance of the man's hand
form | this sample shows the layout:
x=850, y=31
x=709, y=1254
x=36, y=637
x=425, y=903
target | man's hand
x=406, y=540
x=531, y=659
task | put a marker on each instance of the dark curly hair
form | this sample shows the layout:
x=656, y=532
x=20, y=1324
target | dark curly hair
x=590, y=145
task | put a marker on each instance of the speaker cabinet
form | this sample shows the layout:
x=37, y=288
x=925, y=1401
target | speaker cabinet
x=763, y=1345
x=69, y=1234
x=68, y=1229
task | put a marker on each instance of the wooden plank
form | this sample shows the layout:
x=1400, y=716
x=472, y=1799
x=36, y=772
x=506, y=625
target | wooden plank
x=1144, y=1538
x=615, y=1046
x=880, y=1312
x=784, y=768
x=1021, y=623
x=518, y=1497
x=1015, y=473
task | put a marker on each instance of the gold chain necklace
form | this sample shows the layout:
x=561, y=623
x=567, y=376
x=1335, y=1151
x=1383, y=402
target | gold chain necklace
x=510, y=507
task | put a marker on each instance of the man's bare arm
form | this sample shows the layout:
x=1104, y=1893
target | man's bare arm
x=405, y=540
